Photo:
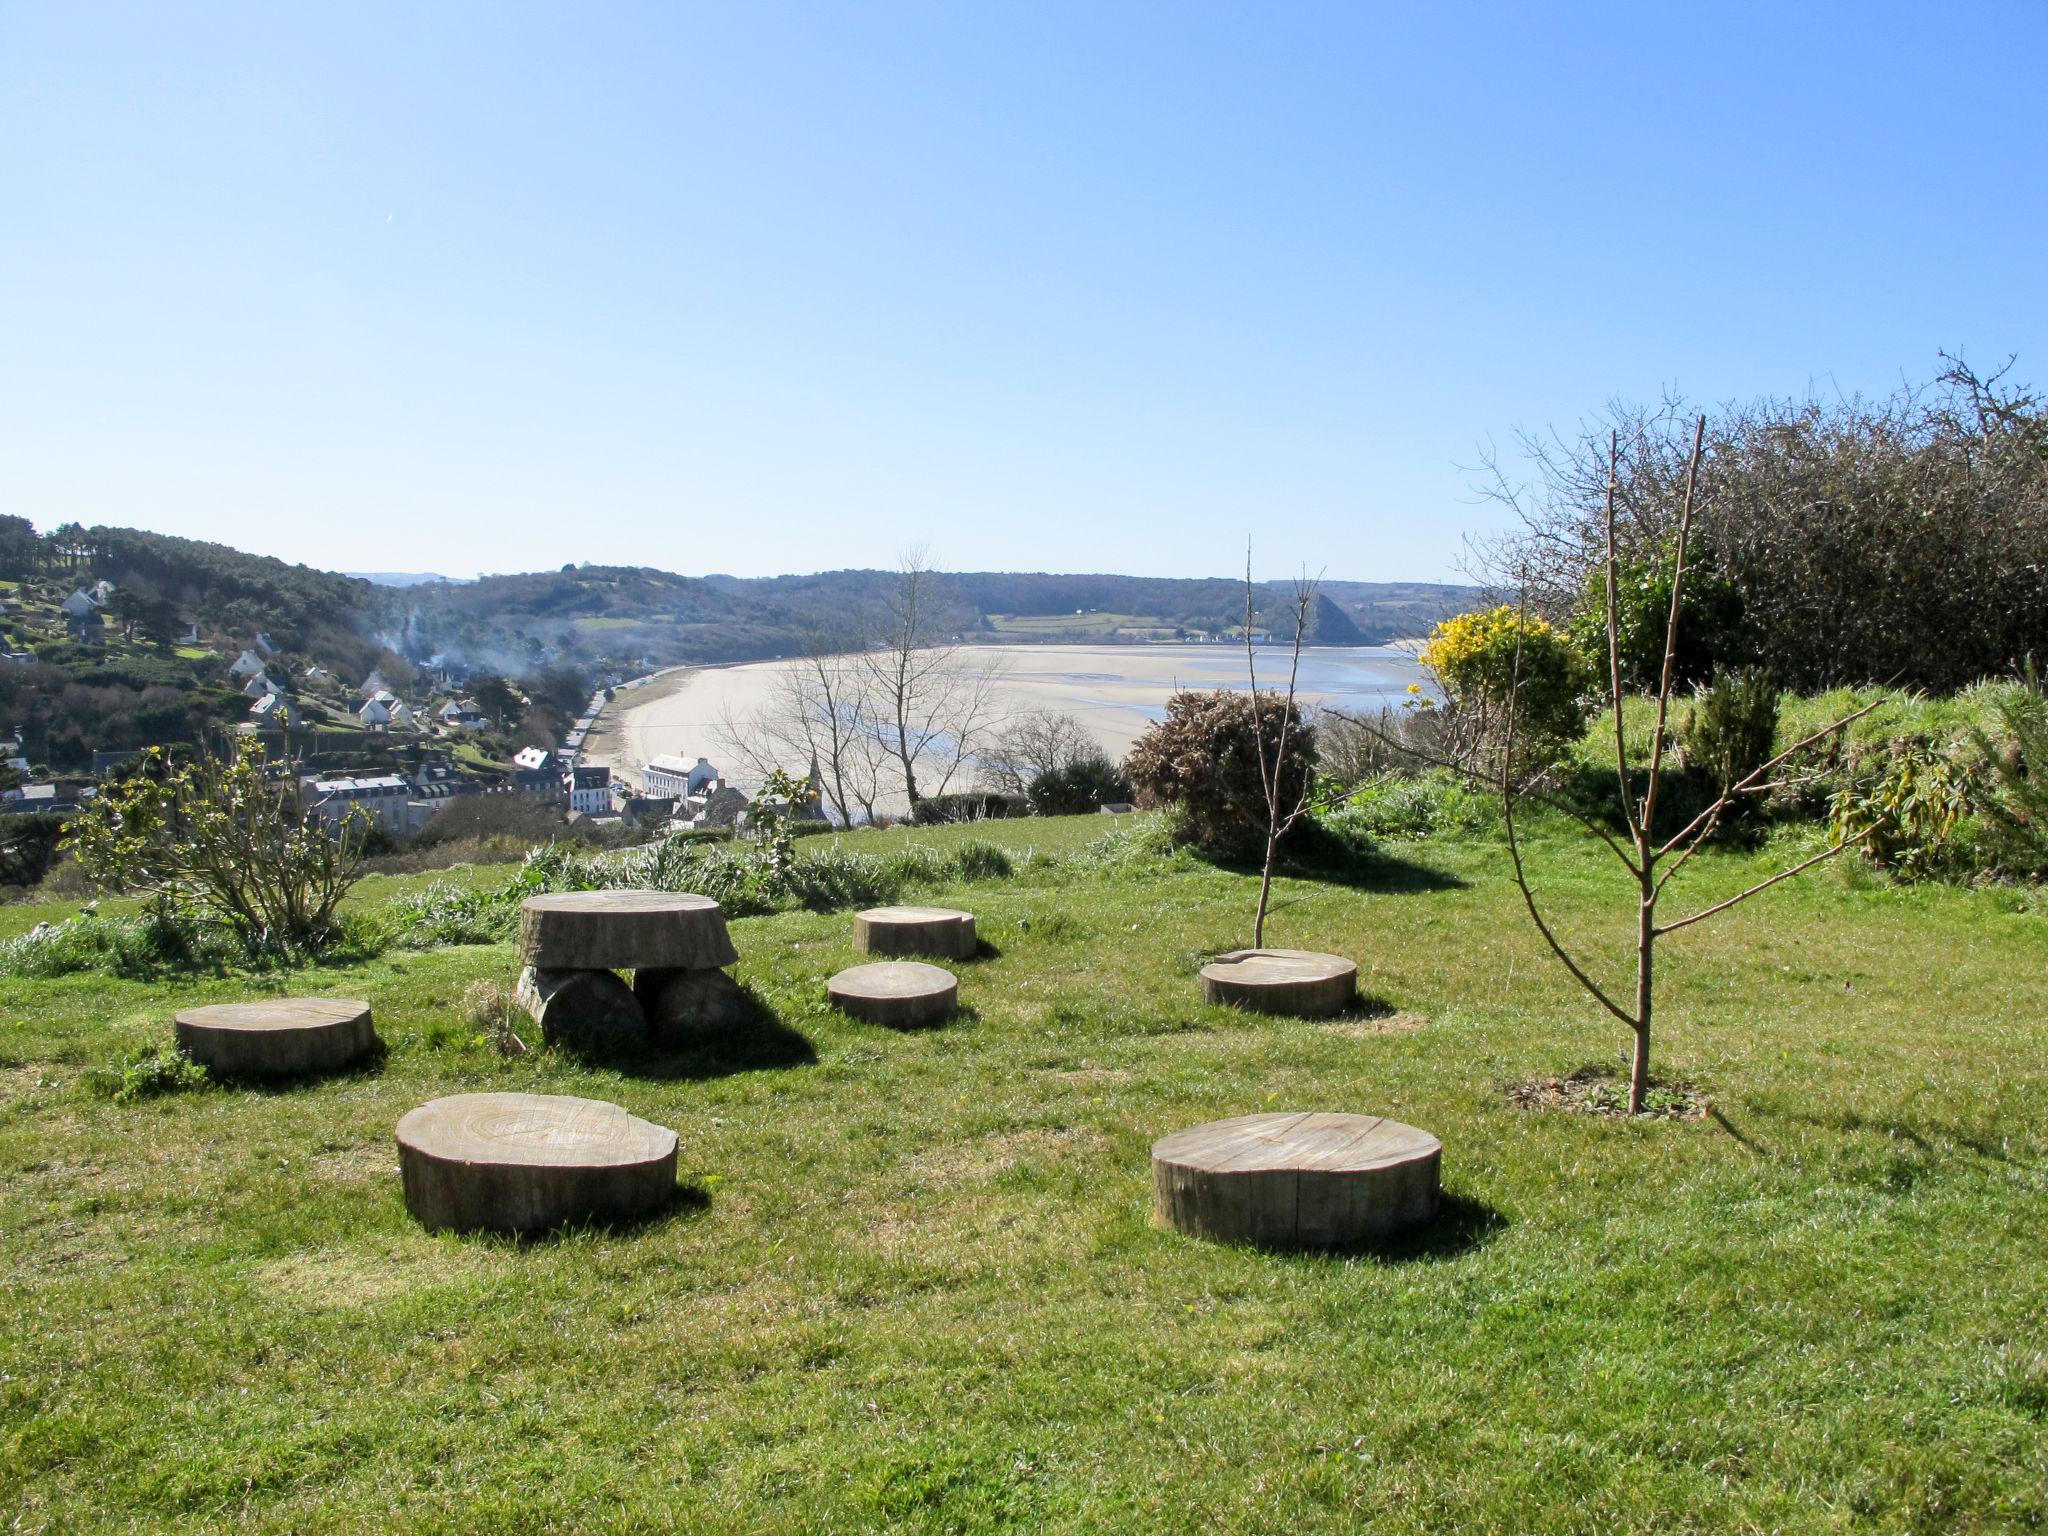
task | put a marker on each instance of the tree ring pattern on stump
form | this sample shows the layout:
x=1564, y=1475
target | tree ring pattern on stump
x=896, y=992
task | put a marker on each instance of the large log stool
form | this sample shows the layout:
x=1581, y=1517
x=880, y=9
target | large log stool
x=938, y=931
x=277, y=1037
x=573, y=945
x=903, y=993
x=530, y=1162
x=1290, y=981
x=1297, y=1180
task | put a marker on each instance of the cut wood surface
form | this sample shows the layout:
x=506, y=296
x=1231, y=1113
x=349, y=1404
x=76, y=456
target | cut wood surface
x=1297, y=1179
x=277, y=1037
x=582, y=1010
x=623, y=931
x=904, y=993
x=528, y=1162
x=939, y=931
x=1290, y=981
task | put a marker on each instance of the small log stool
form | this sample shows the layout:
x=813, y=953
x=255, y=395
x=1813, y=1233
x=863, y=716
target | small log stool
x=903, y=993
x=938, y=931
x=1288, y=981
x=530, y=1162
x=277, y=1037
x=572, y=946
x=1297, y=1180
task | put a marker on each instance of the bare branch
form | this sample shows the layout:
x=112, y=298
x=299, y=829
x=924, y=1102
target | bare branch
x=1764, y=885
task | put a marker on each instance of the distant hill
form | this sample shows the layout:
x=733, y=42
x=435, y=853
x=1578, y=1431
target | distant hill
x=622, y=617
x=401, y=578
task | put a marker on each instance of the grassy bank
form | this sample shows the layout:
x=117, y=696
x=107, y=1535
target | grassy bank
x=913, y=1285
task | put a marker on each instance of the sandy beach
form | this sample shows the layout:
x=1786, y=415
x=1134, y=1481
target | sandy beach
x=1115, y=690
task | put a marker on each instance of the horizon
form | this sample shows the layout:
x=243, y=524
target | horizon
x=1060, y=290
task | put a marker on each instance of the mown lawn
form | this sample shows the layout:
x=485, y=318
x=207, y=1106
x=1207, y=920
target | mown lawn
x=912, y=1282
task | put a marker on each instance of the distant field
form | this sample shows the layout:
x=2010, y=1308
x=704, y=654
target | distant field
x=1069, y=623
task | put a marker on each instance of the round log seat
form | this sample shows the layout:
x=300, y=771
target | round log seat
x=686, y=1005
x=937, y=931
x=530, y=1162
x=1297, y=1180
x=623, y=931
x=1290, y=981
x=277, y=1037
x=903, y=993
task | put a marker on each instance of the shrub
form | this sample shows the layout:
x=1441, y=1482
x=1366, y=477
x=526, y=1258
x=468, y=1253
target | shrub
x=138, y=948
x=1074, y=789
x=982, y=861
x=224, y=840
x=975, y=805
x=1409, y=807
x=1731, y=727
x=489, y=1009
x=151, y=1072
x=1202, y=761
x=1480, y=659
x=1909, y=812
x=1711, y=632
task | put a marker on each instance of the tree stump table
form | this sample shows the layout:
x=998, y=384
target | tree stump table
x=1288, y=981
x=531, y=1162
x=903, y=993
x=572, y=946
x=277, y=1037
x=1297, y=1180
x=937, y=931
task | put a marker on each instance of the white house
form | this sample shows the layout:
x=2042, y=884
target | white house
x=402, y=717
x=272, y=710
x=462, y=715
x=590, y=790
x=259, y=685
x=374, y=683
x=673, y=776
x=262, y=644
x=383, y=799
x=248, y=664
x=78, y=604
x=376, y=711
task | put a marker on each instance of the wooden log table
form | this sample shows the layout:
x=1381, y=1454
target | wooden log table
x=903, y=993
x=531, y=1162
x=1297, y=1179
x=277, y=1037
x=623, y=931
x=942, y=932
x=1298, y=982
x=573, y=945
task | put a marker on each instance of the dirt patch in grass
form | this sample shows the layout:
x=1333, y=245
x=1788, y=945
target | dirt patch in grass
x=1383, y=1024
x=971, y=1161
x=1601, y=1090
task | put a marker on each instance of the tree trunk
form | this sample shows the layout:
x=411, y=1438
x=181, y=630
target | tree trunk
x=1646, y=961
x=1265, y=895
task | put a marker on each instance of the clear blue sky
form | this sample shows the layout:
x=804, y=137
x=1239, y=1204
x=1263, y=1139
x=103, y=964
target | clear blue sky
x=761, y=288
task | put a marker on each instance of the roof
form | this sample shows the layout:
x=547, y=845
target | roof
x=675, y=762
x=530, y=757
x=383, y=784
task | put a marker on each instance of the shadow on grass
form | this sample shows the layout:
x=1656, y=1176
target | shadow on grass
x=986, y=949
x=1328, y=863
x=1462, y=1225
x=749, y=1037
x=686, y=1202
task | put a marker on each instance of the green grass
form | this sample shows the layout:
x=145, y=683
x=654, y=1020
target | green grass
x=915, y=1286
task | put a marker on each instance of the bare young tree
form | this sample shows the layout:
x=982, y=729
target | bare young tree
x=930, y=707
x=1652, y=861
x=1283, y=809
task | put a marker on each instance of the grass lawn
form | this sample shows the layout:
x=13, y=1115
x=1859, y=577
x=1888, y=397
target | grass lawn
x=912, y=1284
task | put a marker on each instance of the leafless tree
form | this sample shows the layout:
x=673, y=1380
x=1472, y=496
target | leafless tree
x=1652, y=861
x=1283, y=810
x=817, y=715
x=930, y=706
x=1032, y=745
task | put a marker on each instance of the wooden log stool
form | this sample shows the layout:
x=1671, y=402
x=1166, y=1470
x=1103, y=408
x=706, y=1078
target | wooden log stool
x=1298, y=982
x=1297, y=1180
x=277, y=1037
x=940, y=932
x=531, y=1162
x=904, y=993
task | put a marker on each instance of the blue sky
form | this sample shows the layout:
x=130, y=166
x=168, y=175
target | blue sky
x=1093, y=287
